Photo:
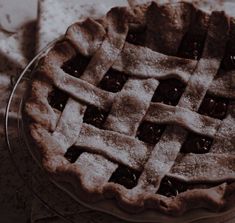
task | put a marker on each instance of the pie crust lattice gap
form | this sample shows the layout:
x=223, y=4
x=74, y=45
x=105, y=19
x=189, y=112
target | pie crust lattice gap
x=145, y=111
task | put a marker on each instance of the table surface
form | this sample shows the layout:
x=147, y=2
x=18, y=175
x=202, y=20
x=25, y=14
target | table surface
x=15, y=199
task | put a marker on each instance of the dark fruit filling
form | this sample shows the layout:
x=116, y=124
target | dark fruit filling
x=196, y=144
x=214, y=107
x=113, y=81
x=125, y=176
x=171, y=187
x=150, y=132
x=169, y=92
x=191, y=46
x=228, y=62
x=136, y=37
x=76, y=66
x=57, y=99
x=73, y=153
x=95, y=116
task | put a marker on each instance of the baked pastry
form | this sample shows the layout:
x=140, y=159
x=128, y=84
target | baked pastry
x=139, y=106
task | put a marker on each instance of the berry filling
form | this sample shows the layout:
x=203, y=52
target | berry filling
x=113, y=81
x=228, y=62
x=57, y=99
x=73, y=153
x=169, y=92
x=150, y=132
x=191, y=46
x=171, y=187
x=95, y=116
x=214, y=107
x=76, y=66
x=196, y=144
x=136, y=37
x=125, y=176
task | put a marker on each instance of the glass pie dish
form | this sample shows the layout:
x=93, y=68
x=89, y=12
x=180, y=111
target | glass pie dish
x=25, y=158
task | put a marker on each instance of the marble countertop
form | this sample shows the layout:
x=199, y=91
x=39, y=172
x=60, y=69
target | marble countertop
x=15, y=198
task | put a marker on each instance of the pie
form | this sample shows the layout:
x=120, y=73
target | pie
x=139, y=107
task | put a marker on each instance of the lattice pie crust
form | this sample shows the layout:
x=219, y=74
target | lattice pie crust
x=139, y=106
